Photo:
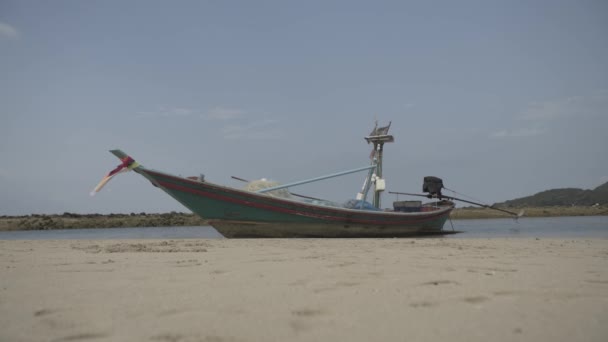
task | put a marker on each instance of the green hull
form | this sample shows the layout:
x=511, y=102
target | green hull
x=237, y=213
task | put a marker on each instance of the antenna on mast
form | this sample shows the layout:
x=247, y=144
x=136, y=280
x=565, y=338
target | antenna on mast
x=379, y=136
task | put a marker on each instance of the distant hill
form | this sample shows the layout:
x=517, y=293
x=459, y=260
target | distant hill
x=562, y=197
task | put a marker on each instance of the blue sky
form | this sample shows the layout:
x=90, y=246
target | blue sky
x=501, y=99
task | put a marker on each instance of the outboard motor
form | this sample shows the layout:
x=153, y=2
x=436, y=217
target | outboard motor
x=433, y=186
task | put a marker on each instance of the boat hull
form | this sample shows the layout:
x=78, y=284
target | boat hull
x=243, y=214
x=241, y=229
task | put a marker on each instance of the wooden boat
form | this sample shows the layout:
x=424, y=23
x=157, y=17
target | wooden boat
x=237, y=213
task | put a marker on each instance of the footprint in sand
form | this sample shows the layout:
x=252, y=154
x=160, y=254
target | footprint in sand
x=43, y=312
x=187, y=263
x=423, y=304
x=173, y=337
x=79, y=337
x=441, y=282
x=303, y=324
x=307, y=312
x=476, y=299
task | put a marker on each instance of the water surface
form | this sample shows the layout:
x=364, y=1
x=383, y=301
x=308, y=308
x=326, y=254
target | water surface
x=546, y=227
x=526, y=227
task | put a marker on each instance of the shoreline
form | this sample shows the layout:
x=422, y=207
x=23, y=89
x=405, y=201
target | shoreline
x=304, y=290
x=175, y=219
x=482, y=213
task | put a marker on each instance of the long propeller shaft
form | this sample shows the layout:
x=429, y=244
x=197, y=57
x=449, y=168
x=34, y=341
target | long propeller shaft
x=461, y=200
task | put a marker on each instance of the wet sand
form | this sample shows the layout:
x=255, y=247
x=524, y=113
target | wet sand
x=305, y=290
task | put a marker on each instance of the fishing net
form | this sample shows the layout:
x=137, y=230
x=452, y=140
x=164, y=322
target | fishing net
x=359, y=204
x=260, y=184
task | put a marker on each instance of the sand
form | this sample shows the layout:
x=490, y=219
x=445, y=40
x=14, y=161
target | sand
x=305, y=290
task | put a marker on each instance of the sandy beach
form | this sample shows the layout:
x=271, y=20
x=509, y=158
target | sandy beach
x=304, y=290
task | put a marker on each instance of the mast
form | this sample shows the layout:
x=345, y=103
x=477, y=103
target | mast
x=378, y=137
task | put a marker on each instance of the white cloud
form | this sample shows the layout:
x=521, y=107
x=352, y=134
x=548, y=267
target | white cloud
x=591, y=104
x=165, y=113
x=8, y=31
x=3, y=174
x=541, y=116
x=517, y=133
x=180, y=112
x=259, y=130
x=222, y=113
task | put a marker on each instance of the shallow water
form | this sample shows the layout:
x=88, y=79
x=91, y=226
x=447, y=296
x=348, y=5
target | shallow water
x=526, y=227
x=547, y=227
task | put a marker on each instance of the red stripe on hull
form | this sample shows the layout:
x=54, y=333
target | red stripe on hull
x=383, y=219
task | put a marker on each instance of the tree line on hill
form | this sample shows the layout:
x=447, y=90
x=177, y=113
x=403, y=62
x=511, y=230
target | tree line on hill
x=562, y=197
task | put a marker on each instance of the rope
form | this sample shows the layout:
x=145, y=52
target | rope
x=463, y=195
